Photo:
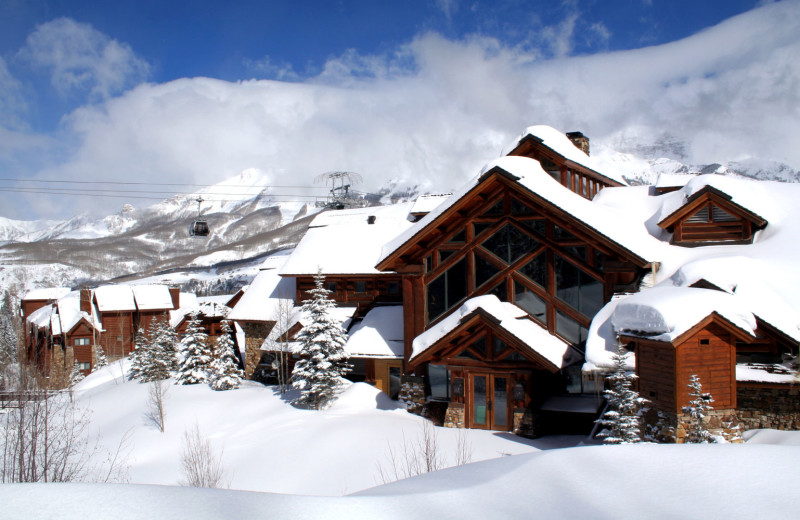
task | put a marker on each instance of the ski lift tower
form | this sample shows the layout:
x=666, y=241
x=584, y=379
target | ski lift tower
x=339, y=197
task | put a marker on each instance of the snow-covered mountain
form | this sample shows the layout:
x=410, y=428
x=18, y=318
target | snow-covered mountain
x=247, y=222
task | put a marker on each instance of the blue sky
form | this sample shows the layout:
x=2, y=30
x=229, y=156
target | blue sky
x=105, y=90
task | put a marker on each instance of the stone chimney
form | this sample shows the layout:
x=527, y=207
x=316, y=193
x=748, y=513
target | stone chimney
x=86, y=300
x=579, y=140
x=175, y=294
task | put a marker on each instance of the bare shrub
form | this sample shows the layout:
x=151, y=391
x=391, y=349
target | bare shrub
x=463, y=448
x=201, y=464
x=156, y=396
x=414, y=457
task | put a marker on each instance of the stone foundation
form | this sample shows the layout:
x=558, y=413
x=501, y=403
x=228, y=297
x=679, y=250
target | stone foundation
x=455, y=416
x=255, y=334
x=776, y=407
x=664, y=427
x=412, y=394
x=526, y=423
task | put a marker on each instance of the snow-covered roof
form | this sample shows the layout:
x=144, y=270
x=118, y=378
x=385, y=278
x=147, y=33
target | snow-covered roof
x=664, y=313
x=379, y=334
x=560, y=143
x=673, y=180
x=69, y=312
x=152, y=297
x=343, y=315
x=344, y=242
x=42, y=317
x=112, y=298
x=612, y=222
x=509, y=317
x=765, y=373
x=52, y=293
x=266, y=295
x=426, y=203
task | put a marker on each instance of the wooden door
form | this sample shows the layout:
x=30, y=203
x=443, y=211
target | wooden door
x=488, y=401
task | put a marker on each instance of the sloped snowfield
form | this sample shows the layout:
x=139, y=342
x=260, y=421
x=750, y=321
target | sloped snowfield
x=285, y=453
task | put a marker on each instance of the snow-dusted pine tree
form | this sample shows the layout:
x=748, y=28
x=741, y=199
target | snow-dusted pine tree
x=323, y=360
x=100, y=359
x=9, y=333
x=139, y=355
x=165, y=342
x=75, y=375
x=698, y=408
x=194, y=355
x=621, y=422
x=225, y=372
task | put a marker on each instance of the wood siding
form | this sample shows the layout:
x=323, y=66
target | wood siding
x=711, y=355
x=655, y=366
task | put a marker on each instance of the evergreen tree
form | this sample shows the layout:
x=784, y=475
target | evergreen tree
x=137, y=357
x=323, y=360
x=100, y=359
x=164, y=345
x=621, y=422
x=9, y=331
x=698, y=408
x=195, y=356
x=225, y=371
x=75, y=375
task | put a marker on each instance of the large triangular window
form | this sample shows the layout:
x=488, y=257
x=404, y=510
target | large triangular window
x=484, y=270
x=509, y=244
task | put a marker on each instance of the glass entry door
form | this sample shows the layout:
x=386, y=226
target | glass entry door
x=489, y=401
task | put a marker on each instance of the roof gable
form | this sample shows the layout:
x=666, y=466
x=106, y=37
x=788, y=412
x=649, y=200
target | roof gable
x=717, y=198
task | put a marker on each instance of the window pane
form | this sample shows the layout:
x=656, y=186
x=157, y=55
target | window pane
x=498, y=346
x=479, y=400
x=440, y=381
x=500, y=401
x=562, y=235
x=361, y=287
x=518, y=208
x=456, y=282
x=480, y=347
x=480, y=227
x=570, y=329
x=500, y=291
x=496, y=209
x=394, y=382
x=509, y=243
x=530, y=302
x=461, y=236
x=538, y=226
x=483, y=270
x=436, y=300
x=444, y=255
x=591, y=295
x=536, y=269
x=567, y=282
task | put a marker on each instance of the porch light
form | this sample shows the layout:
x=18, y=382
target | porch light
x=519, y=392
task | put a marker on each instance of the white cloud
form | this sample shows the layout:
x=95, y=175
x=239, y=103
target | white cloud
x=82, y=59
x=12, y=100
x=433, y=112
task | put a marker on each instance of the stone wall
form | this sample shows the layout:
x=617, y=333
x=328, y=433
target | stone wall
x=665, y=427
x=526, y=423
x=255, y=334
x=412, y=394
x=455, y=417
x=775, y=407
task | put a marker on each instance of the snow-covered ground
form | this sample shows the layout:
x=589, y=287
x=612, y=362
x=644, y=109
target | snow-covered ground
x=276, y=455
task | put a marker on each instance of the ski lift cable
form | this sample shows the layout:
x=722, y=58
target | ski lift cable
x=309, y=198
x=54, y=181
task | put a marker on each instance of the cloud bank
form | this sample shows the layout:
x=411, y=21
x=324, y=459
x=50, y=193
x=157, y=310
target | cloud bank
x=430, y=113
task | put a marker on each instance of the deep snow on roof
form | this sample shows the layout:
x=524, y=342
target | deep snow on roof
x=611, y=222
x=379, y=334
x=69, y=312
x=509, y=317
x=152, y=297
x=426, y=203
x=266, y=295
x=673, y=180
x=51, y=293
x=344, y=242
x=560, y=143
x=664, y=313
x=115, y=298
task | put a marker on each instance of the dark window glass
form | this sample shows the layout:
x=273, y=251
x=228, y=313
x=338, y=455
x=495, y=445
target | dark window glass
x=509, y=243
x=393, y=288
x=530, y=302
x=599, y=258
x=577, y=288
x=498, y=346
x=461, y=236
x=467, y=354
x=483, y=270
x=444, y=255
x=361, y=287
x=578, y=252
x=536, y=269
x=480, y=347
x=480, y=227
x=562, y=235
x=514, y=356
x=448, y=289
x=518, y=208
x=570, y=329
x=439, y=378
x=537, y=226
x=500, y=291
x=332, y=287
x=436, y=297
x=496, y=209
x=394, y=382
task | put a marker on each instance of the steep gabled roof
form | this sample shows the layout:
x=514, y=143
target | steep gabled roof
x=606, y=225
x=716, y=196
x=115, y=298
x=556, y=146
x=533, y=341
